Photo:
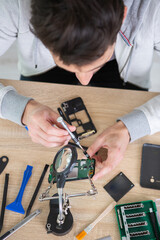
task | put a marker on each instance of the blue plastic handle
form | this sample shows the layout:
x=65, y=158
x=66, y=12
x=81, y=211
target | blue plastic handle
x=26, y=128
x=26, y=177
x=16, y=206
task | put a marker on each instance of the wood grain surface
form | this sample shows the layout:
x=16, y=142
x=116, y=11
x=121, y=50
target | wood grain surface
x=104, y=107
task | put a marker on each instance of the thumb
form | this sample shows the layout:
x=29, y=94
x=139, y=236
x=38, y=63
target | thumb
x=71, y=128
x=101, y=173
x=97, y=144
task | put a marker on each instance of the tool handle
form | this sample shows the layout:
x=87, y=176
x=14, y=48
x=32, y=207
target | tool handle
x=4, y=200
x=26, y=177
x=104, y=213
x=36, y=190
x=81, y=235
x=4, y=236
x=154, y=223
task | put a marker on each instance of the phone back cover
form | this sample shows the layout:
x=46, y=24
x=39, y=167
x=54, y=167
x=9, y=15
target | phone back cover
x=150, y=167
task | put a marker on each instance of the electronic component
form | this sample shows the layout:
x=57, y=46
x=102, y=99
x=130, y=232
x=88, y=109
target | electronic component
x=118, y=186
x=135, y=222
x=81, y=169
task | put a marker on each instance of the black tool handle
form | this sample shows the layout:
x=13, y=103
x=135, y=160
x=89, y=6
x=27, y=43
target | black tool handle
x=4, y=236
x=62, y=114
x=36, y=190
x=154, y=223
x=4, y=200
x=3, y=163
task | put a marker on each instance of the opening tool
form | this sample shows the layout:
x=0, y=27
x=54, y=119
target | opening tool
x=20, y=224
x=16, y=206
x=3, y=163
x=36, y=190
x=4, y=200
x=61, y=121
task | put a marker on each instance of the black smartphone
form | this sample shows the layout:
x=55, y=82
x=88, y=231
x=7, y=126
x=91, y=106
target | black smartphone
x=150, y=166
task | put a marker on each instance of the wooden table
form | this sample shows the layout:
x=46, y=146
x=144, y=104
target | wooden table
x=104, y=106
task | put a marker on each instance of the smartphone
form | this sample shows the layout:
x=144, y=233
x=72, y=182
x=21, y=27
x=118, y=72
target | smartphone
x=150, y=166
x=81, y=169
x=77, y=115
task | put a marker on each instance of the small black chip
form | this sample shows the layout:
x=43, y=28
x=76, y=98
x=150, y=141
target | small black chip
x=118, y=186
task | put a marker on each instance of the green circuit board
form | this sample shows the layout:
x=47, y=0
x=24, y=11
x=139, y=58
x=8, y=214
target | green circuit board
x=80, y=171
x=135, y=221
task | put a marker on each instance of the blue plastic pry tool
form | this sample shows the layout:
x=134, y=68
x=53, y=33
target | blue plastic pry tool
x=26, y=128
x=16, y=206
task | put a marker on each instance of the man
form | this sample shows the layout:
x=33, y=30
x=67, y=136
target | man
x=80, y=37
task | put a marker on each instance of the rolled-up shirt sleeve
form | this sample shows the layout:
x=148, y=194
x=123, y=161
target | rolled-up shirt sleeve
x=12, y=104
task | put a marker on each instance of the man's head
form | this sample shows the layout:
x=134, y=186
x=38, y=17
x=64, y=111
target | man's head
x=79, y=33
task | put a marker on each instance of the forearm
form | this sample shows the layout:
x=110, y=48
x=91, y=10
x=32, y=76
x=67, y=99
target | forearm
x=137, y=124
x=144, y=120
x=12, y=104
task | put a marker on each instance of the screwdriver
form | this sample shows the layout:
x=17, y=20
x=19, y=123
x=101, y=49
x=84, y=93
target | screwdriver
x=61, y=121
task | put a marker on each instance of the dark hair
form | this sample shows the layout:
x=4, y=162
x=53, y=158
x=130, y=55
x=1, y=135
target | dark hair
x=78, y=31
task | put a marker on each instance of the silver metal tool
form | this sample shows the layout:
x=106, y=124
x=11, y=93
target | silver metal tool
x=105, y=238
x=61, y=121
x=45, y=196
x=20, y=224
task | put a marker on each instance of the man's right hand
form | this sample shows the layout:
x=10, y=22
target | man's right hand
x=115, y=139
x=40, y=120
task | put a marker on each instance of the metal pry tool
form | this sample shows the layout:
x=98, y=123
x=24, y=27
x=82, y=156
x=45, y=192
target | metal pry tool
x=20, y=224
x=61, y=121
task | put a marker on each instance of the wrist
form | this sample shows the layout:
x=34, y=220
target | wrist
x=30, y=106
x=124, y=130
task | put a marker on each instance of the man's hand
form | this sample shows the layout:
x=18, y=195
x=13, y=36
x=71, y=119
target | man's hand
x=40, y=120
x=115, y=139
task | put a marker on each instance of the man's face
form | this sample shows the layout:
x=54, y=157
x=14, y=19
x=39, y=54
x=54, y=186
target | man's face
x=85, y=73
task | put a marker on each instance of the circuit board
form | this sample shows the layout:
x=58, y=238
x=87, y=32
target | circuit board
x=135, y=221
x=81, y=169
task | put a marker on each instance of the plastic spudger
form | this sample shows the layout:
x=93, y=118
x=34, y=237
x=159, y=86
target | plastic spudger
x=36, y=190
x=4, y=200
x=3, y=163
x=26, y=128
x=16, y=206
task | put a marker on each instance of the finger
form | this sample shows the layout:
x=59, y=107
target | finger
x=99, y=165
x=49, y=129
x=45, y=143
x=97, y=144
x=101, y=173
x=114, y=157
x=71, y=128
x=51, y=138
x=98, y=160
